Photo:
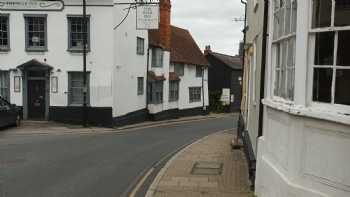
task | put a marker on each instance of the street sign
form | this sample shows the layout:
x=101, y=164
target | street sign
x=147, y=16
x=31, y=5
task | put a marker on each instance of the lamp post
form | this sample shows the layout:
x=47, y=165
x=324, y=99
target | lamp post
x=84, y=66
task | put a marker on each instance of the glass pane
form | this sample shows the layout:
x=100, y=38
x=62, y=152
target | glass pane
x=343, y=57
x=342, y=13
x=322, y=87
x=294, y=15
x=287, y=27
x=322, y=12
x=342, y=93
x=324, y=48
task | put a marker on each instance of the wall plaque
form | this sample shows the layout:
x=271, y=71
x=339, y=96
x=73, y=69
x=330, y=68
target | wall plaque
x=31, y=5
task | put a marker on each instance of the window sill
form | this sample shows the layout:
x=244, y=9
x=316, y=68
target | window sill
x=311, y=111
x=31, y=50
x=5, y=50
x=78, y=50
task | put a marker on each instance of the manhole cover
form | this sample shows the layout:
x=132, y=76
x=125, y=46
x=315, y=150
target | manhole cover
x=207, y=168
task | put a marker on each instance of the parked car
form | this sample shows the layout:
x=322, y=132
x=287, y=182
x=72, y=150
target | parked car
x=9, y=114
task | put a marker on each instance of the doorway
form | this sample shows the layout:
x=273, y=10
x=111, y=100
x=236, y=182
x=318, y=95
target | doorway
x=36, y=99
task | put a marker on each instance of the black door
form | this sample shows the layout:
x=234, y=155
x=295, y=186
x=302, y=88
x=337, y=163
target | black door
x=36, y=99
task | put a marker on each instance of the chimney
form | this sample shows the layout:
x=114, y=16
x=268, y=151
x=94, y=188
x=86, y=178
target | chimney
x=164, y=24
x=207, y=50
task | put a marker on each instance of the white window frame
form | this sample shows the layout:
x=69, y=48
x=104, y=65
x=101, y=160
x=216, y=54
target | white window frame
x=282, y=95
x=333, y=107
x=193, y=93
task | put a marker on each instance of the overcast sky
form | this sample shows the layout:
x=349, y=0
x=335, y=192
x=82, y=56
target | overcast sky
x=211, y=22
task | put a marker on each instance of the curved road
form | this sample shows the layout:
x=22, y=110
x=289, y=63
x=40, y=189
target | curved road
x=94, y=165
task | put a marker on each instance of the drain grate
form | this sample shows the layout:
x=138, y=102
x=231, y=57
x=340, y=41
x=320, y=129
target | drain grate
x=207, y=168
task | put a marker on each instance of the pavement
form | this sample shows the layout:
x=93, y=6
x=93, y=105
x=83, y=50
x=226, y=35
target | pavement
x=45, y=163
x=207, y=168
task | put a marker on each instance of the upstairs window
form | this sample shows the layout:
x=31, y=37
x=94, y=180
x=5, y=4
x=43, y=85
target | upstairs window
x=283, y=47
x=4, y=32
x=179, y=69
x=77, y=32
x=157, y=57
x=140, y=48
x=5, y=85
x=331, y=61
x=36, y=32
x=199, y=71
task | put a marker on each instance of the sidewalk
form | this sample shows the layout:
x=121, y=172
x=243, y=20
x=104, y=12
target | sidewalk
x=207, y=168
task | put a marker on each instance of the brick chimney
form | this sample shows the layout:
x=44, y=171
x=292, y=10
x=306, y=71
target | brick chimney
x=207, y=50
x=164, y=24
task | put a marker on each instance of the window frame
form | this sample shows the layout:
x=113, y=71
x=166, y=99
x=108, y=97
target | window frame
x=6, y=48
x=182, y=73
x=154, y=60
x=70, y=102
x=196, y=91
x=156, y=87
x=324, y=106
x=283, y=95
x=140, y=86
x=30, y=48
x=88, y=43
x=201, y=69
x=174, y=89
x=140, y=50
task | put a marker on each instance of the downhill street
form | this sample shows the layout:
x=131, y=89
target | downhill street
x=90, y=165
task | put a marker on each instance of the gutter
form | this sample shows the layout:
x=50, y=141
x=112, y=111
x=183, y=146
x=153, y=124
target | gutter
x=263, y=68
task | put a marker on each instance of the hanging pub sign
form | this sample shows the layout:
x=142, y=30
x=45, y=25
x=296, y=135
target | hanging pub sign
x=31, y=5
x=147, y=16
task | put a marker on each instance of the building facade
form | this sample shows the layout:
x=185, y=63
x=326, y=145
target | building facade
x=41, y=61
x=225, y=72
x=305, y=138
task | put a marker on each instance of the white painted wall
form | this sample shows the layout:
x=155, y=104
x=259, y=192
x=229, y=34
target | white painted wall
x=99, y=59
x=305, y=148
x=127, y=64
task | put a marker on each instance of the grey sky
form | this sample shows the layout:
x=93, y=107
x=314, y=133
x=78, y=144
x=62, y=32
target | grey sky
x=211, y=22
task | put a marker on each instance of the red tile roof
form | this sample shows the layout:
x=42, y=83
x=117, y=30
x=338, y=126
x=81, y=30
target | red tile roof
x=184, y=48
x=174, y=77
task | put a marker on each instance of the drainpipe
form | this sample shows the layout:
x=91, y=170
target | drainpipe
x=147, y=101
x=204, y=108
x=85, y=89
x=263, y=68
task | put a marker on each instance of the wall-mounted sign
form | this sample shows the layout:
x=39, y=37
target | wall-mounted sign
x=31, y=5
x=147, y=16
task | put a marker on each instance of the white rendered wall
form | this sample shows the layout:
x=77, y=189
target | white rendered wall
x=99, y=59
x=127, y=64
x=304, y=151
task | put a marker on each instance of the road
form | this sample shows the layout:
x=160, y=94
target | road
x=90, y=165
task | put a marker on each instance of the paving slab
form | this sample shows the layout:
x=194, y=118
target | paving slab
x=177, y=179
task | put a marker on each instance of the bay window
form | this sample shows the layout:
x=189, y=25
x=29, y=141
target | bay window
x=284, y=38
x=330, y=34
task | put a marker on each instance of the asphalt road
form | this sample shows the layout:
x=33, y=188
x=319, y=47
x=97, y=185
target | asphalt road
x=94, y=165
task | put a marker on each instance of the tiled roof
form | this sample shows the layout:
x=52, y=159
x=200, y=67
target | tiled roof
x=153, y=77
x=234, y=62
x=184, y=48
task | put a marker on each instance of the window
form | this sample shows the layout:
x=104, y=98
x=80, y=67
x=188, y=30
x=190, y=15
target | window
x=36, y=32
x=140, y=85
x=140, y=46
x=155, y=93
x=76, y=88
x=331, y=62
x=157, y=57
x=199, y=71
x=195, y=94
x=173, y=91
x=179, y=69
x=4, y=32
x=285, y=17
x=5, y=85
x=77, y=31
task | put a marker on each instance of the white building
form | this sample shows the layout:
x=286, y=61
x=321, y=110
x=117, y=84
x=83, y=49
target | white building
x=306, y=134
x=41, y=60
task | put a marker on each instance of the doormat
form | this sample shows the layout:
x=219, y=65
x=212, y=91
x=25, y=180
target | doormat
x=207, y=168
